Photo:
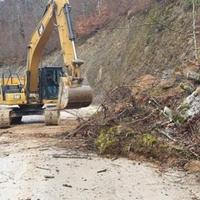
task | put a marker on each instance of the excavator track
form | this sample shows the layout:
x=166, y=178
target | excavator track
x=5, y=118
x=52, y=116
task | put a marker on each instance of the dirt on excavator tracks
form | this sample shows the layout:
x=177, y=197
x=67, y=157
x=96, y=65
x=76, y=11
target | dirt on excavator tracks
x=40, y=163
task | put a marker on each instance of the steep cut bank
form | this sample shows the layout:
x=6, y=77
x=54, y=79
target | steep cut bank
x=139, y=64
x=155, y=41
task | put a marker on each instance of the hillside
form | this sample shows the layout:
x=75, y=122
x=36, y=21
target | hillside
x=18, y=19
x=153, y=38
x=144, y=74
x=146, y=37
x=156, y=41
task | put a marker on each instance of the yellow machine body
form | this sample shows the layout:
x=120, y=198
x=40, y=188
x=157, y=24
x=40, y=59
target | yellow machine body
x=14, y=98
x=46, y=85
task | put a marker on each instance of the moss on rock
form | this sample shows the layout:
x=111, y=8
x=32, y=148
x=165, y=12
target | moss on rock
x=118, y=141
x=112, y=140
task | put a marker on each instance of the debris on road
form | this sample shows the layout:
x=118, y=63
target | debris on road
x=71, y=156
x=102, y=171
x=33, y=179
x=66, y=185
x=129, y=123
x=49, y=177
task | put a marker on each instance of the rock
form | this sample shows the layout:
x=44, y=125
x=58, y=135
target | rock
x=166, y=84
x=173, y=116
x=193, y=76
x=189, y=88
x=168, y=113
x=191, y=105
x=193, y=166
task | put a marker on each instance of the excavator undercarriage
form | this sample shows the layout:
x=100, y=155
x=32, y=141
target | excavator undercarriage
x=55, y=95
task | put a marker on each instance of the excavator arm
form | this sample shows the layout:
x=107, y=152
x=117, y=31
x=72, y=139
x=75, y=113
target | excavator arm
x=72, y=94
x=39, y=39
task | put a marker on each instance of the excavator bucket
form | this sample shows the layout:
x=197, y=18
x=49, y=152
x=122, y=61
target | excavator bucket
x=75, y=96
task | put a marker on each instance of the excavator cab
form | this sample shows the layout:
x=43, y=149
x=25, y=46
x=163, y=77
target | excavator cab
x=49, y=79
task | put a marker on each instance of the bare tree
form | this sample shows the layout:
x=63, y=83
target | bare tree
x=194, y=30
x=99, y=4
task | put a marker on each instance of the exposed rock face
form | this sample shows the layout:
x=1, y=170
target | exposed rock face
x=191, y=105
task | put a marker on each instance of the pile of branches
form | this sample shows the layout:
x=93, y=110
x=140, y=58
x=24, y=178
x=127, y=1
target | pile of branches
x=119, y=107
x=116, y=105
x=188, y=134
x=141, y=116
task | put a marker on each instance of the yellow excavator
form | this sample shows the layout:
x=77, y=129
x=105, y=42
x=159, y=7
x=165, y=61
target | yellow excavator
x=46, y=90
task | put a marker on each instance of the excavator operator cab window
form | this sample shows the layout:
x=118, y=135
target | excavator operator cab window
x=49, y=82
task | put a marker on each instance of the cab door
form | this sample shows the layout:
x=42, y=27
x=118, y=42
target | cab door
x=49, y=82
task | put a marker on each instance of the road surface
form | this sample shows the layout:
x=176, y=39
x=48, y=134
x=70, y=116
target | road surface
x=40, y=163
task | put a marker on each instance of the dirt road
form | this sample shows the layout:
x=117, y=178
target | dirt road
x=38, y=163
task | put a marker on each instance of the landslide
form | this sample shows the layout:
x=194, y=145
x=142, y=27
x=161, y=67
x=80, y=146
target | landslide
x=138, y=65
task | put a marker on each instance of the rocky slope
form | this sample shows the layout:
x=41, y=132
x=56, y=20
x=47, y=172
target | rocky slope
x=148, y=55
x=156, y=41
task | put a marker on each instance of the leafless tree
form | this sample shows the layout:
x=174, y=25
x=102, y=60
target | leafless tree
x=194, y=30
